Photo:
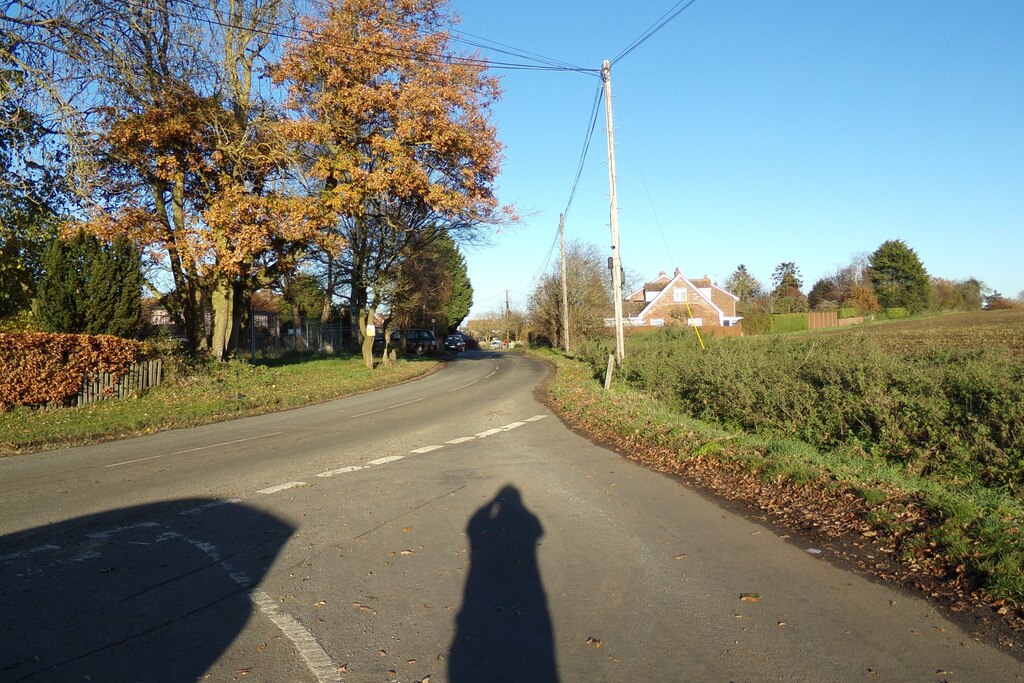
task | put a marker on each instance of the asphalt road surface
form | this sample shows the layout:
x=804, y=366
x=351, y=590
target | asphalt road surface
x=448, y=529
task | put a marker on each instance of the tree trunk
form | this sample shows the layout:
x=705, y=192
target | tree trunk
x=366, y=343
x=223, y=304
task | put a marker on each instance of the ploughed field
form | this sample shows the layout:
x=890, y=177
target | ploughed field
x=996, y=330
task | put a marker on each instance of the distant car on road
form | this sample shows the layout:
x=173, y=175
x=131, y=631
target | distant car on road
x=496, y=343
x=454, y=342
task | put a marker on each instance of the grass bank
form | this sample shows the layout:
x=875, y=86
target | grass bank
x=210, y=393
x=951, y=531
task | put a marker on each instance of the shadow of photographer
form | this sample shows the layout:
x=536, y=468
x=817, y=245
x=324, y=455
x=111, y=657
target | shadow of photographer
x=503, y=630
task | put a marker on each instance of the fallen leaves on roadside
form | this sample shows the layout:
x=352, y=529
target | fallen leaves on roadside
x=361, y=607
x=319, y=604
x=680, y=556
x=750, y=597
x=243, y=672
x=261, y=647
x=595, y=642
x=392, y=673
x=408, y=552
x=407, y=529
x=343, y=668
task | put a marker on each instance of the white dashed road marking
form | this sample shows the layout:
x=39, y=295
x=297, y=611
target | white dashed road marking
x=397, y=405
x=386, y=459
x=207, y=506
x=192, y=450
x=392, y=458
x=281, y=487
x=38, y=549
x=316, y=658
x=312, y=652
x=340, y=470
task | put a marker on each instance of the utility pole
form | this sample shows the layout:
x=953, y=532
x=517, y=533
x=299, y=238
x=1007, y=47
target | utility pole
x=606, y=76
x=565, y=289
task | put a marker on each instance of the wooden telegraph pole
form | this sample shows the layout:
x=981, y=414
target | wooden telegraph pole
x=565, y=289
x=606, y=76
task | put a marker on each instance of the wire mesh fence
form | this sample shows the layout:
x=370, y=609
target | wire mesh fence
x=260, y=343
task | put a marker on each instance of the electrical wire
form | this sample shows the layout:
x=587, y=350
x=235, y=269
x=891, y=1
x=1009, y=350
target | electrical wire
x=671, y=14
x=654, y=212
x=595, y=108
x=283, y=32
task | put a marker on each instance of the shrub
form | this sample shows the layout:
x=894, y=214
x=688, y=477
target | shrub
x=848, y=313
x=757, y=322
x=955, y=414
x=789, y=322
x=41, y=368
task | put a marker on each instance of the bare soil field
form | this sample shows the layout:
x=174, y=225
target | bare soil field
x=1001, y=330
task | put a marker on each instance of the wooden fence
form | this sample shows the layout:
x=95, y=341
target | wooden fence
x=816, y=320
x=106, y=385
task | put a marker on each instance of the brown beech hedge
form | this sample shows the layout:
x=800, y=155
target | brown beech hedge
x=40, y=368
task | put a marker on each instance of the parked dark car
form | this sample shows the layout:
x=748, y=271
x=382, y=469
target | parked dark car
x=455, y=342
x=417, y=342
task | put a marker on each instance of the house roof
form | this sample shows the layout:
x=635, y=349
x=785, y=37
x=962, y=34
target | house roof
x=682, y=280
x=655, y=285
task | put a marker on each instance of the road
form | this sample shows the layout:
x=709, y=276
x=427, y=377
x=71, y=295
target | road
x=448, y=529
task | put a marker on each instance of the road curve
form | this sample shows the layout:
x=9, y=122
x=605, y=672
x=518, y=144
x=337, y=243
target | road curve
x=450, y=527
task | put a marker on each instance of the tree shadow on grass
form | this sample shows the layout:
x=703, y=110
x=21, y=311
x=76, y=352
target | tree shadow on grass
x=148, y=593
x=503, y=631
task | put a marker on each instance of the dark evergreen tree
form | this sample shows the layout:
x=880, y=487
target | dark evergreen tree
x=899, y=277
x=89, y=288
x=786, y=279
x=460, y=298
x=61, y=302
x=113, y=293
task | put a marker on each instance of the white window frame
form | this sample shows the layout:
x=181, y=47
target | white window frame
x=679, y=295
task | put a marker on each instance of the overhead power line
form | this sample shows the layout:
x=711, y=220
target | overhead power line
x=285, y=32
x=595, y=108
x=674, y=12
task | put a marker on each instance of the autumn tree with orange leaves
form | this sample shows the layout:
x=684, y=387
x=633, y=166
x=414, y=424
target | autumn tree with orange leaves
x=397, y=133
x=173, y=146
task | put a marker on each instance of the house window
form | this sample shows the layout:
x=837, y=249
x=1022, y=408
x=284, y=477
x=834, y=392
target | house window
x=679, y=295
x=657, y=322
x=695, y=322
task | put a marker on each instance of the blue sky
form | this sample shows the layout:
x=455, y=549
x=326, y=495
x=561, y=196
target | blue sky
x=762, y=132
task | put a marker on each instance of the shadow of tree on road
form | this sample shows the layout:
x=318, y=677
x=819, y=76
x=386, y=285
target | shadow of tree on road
x=503, y=631
x=147, y=593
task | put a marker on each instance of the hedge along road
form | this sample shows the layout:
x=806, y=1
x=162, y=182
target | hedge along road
x=450, y=527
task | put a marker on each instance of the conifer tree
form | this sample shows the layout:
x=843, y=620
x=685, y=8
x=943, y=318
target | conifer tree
x=114, y=290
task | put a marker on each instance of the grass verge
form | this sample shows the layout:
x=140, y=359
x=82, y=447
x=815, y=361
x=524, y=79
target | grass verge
x=960, y=543
x=209, y=394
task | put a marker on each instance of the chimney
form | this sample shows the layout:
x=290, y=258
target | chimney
x=677, y=272
x=661, y=273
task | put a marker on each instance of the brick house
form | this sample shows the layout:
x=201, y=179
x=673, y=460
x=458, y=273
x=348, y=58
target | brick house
x=665, y=299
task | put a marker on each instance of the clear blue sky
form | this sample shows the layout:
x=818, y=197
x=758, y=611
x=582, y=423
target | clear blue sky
x=758, y=132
